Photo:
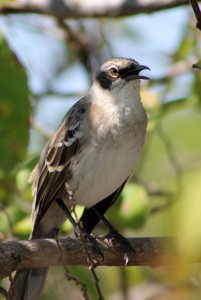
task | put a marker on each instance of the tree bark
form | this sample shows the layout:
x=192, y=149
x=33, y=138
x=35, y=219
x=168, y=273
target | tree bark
x=88, y=8
x=15, y=255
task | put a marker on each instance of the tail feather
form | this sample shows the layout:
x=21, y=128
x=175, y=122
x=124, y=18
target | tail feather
x=28, y=284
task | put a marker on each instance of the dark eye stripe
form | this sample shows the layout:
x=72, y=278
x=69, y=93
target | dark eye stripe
x=102, y=78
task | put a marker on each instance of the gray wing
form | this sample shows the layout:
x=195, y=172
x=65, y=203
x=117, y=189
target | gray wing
x=53, y=170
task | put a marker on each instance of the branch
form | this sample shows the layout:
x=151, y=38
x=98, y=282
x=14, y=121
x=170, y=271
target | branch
x=15, y=255
x=177, y=69
x=197, y=12
x=89, y=8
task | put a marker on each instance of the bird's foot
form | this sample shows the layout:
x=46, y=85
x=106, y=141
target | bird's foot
x=93, y=240
x=125, y=245
x=114, y=234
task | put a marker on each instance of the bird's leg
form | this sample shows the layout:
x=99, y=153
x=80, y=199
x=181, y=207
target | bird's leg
x=68, y=215
x=113, y=233
x=78, y=227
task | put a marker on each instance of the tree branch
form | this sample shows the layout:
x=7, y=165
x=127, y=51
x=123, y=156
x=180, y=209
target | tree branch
x=89, y=8
x=15, y=255
x=197, y=12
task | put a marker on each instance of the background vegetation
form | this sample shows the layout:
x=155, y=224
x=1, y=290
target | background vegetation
x=46, y=64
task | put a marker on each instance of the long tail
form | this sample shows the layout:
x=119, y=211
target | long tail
x=28, y=284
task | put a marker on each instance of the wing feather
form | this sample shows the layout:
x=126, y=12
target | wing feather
x=53, y=170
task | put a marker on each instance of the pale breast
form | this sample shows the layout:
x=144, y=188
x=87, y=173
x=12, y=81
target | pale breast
x=112, y=151
x=103, y=169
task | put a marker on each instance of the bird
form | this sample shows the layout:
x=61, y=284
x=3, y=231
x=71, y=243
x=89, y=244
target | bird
x=93, y=152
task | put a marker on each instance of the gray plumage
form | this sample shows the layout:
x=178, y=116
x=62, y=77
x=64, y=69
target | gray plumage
x=93, y=151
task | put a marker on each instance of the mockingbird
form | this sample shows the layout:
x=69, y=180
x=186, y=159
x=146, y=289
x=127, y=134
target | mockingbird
x=93, y=152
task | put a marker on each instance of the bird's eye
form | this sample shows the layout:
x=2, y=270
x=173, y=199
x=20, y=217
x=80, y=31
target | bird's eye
x=113, y=72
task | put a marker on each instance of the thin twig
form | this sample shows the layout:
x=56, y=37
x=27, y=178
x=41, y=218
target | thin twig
x=78, y=43
x=46, y=132
x=170, y=151
x=67, y=272
x=197, y=12
x=177, y=69
x=77, y=282
x=91, y=261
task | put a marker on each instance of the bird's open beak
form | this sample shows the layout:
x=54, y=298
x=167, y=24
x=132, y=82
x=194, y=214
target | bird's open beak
x=134, y=73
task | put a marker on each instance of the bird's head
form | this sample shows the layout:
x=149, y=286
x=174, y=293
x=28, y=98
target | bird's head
x=117, y=72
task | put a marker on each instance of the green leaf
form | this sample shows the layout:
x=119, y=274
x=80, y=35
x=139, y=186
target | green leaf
x=188, y=215
x=134, y=207
x=23, y=227
x=14, y=109
x=169, y=108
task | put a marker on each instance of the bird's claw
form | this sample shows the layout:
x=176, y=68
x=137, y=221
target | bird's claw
x=125, y=245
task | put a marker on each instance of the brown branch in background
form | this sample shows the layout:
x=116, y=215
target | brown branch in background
x=177, y=69
x=40, y=128
x=170, y=151
x=197, y=12
x=15, y=255
x=86, y=42
x=61, y=94
x=78, y=43
x=88, y=8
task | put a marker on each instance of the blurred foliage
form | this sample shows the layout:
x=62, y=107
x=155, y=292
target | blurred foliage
x=14, y=132
x=163, y=197
x=14, y=109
